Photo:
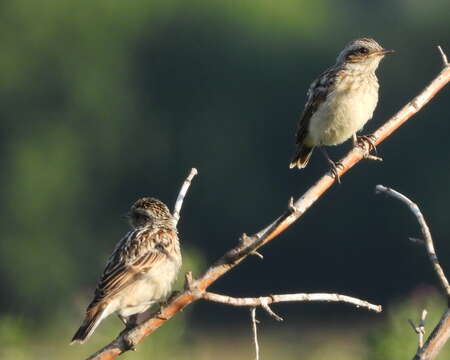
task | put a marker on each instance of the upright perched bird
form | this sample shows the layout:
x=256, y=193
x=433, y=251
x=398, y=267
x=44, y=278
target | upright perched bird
x=141, y=269
x=340, y=101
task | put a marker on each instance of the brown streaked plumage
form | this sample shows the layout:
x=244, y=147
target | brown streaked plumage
x=317, y=94
x=340, y=101
x=141, y=269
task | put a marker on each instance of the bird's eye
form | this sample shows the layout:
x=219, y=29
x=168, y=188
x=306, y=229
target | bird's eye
x=141, y=217
x=362, y=50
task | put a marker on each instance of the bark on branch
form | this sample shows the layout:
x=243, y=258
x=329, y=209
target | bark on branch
x=264, y=301
x=249, y=244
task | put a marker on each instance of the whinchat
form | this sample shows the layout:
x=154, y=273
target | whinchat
x=340, y=102
x=141, y=269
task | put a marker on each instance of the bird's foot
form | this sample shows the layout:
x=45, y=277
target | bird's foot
x=128, y=343
x=160, y=316
x=158, y=313
x=123, y=319
x=367, y=144
x=334, y=166
x=334, y=170
x=129, y=321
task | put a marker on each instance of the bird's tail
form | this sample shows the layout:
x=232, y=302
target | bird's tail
x=90, y=323
x=301, y=157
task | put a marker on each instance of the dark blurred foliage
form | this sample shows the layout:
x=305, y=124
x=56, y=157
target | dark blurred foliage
x=102, y=102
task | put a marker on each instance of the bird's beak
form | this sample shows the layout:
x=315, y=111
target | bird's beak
x=384, y=52
x=127, y=215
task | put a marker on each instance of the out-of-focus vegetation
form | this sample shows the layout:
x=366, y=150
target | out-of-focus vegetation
x=393, y=339
x=324, y=339
x=102, y=102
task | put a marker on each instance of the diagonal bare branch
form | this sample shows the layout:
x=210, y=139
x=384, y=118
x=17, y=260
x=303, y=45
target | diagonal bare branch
x=181, y=195
x=425, y=232
x=441, y=333
x=236, y=255
x=444, y=57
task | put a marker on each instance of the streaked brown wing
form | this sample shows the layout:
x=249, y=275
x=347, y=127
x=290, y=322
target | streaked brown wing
x=123, y=275
x=317, y=93
x=135, y=254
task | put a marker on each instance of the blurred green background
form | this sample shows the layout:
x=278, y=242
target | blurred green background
x=105, y=101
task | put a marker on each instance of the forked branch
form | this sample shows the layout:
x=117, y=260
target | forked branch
x=245, y=248
x=420, y=328
x=265, y=301
x=425, y=232
x=441, y=333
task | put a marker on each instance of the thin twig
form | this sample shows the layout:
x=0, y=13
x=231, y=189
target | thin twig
x=444, y=57
x=420, y=328
x=255, y=331
x=416, y=241
x=182, y=194
x=437, y=339
x=273, y=299
x=264, y=301
x=240, y=252
x=425, y=232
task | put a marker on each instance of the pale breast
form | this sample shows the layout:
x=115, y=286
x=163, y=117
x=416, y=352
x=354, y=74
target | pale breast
x=347, y=108
x=150, y=287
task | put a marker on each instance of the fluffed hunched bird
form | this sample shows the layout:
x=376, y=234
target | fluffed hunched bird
x=140, y=271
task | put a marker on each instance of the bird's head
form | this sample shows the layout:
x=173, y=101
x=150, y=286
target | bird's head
x=147, y=210
x=363, y=54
